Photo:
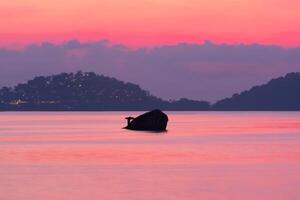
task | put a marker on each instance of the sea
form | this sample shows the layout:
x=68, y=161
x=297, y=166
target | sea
x=202, y=156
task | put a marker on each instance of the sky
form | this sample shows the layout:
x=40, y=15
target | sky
x=203, y=50
x=139, y=23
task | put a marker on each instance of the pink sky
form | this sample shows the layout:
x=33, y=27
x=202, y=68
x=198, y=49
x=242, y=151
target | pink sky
x=151, y=22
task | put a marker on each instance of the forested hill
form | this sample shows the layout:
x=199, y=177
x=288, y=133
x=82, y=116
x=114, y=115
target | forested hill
x=279, y=94
x=89, y=91
x=86, y=91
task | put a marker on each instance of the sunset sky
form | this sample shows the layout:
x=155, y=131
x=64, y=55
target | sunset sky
x=208, y=49
x=151, y=22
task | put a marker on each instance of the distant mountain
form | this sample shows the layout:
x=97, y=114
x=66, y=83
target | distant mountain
x=86, y=91
x=92, y=92
x=279, y=94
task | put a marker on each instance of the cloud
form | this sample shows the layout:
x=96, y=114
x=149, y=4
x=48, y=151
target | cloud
x=207, y=71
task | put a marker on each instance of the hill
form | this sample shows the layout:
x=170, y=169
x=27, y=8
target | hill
x=278, y=94
x=86, y=91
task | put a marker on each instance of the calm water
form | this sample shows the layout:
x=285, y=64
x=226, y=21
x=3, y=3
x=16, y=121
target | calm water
x=204, y=155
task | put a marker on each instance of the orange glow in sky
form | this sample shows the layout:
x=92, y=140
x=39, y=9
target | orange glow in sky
x=151, y=22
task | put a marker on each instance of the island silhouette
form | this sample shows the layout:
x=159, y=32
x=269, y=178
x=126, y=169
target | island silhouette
x=87, y=91
x=282, y=93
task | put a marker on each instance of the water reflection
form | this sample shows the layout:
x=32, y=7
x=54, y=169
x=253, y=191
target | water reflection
x=204, y=155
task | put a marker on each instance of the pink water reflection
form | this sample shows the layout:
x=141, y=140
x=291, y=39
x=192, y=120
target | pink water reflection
x=204, y=155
